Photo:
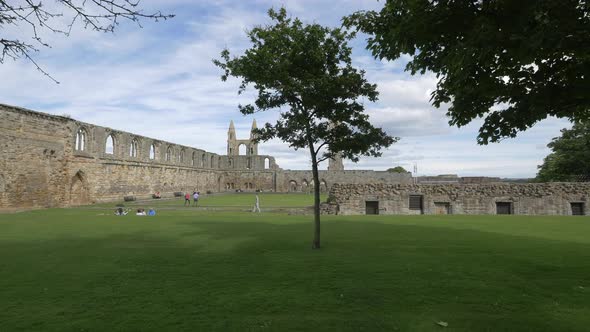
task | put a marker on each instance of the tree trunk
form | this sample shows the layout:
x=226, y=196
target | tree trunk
x=316, y=199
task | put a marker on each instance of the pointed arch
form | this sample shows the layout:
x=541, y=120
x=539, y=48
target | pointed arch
x=242, y=149
x=153, y=151
x=133, y=147
x=292, y=186
x=109, y=146
x=169, y=153
x=81, y=143
x=304, y=185
x=323, y=186
x=79, y=191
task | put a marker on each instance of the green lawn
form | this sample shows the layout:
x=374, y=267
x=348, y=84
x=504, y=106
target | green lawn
x=196, y=270
x=243, y=200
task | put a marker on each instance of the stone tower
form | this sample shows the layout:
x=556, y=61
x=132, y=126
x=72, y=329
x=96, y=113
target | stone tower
x=232, y=147
x=335, y=164
x=233, y=144
x=253, y=147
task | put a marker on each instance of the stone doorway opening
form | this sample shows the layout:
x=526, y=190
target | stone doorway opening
x=416, y=204
x=577, y=208
x=372, y=207
x=442, y=207
x=79, y=192
x=504, y=208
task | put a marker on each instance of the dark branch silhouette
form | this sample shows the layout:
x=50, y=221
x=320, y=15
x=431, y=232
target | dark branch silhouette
x=98, y=15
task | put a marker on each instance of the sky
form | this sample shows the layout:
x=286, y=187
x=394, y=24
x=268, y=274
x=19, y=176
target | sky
x=159, y=81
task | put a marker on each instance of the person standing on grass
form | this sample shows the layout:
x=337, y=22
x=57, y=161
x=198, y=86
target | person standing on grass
x=256, y=205
x=195, y=198
x=187, y=199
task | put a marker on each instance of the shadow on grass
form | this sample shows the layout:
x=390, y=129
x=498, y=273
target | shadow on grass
x=201, y=275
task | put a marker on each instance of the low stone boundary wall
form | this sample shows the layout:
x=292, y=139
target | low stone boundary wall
x=485, y=198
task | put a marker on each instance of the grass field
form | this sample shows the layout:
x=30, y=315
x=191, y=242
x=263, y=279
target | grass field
x=196, y=270
x=241, y=200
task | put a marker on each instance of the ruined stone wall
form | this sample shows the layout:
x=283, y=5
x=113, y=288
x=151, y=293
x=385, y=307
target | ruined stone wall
x=33, y=159
x=302, y=181
x=525, y=199
x=50, y=161
x=278, y=180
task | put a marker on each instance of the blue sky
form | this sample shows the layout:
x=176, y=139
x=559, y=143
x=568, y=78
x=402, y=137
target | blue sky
x=159, y=81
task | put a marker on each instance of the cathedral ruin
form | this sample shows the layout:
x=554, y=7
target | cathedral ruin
x=56, y=161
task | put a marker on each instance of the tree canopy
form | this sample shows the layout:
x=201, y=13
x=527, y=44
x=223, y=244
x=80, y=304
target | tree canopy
x=34, y=17
x=512, y=63
x=305, y=72
x=397, y=169
x=570, y=156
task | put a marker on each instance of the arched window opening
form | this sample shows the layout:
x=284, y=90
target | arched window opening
x=168, y=154
x=133, y=149
x=249, y=163
x=219, y=162
x=229, y=162
x=110, y=145
x=80, y=140
x=292, y=186
x=266, y=163
x=212, y=160
x=181, y=156
x=203, y=160
x=194, y=159
x=153, y=152
x=242, y=149
x=304, y=185
x=323, y=186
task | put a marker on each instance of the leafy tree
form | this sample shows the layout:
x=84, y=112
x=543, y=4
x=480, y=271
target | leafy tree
x=397, y=169
x=61, y=18
x=570, y=157
x=304, y=71
x=512, y=63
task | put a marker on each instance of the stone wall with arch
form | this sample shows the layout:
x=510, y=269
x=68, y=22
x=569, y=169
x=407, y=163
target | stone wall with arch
x=44, y=165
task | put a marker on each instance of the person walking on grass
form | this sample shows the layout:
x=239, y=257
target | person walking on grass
x=187, y=199
x=256, y=205
x=195, y=198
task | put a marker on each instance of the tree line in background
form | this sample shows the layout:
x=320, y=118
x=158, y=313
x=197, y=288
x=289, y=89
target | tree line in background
x=570, y=156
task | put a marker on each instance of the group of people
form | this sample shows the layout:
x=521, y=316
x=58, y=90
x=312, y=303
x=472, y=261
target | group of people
x=187, y=198
x=140, y=212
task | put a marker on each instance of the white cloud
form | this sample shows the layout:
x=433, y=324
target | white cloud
x=160, y=82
